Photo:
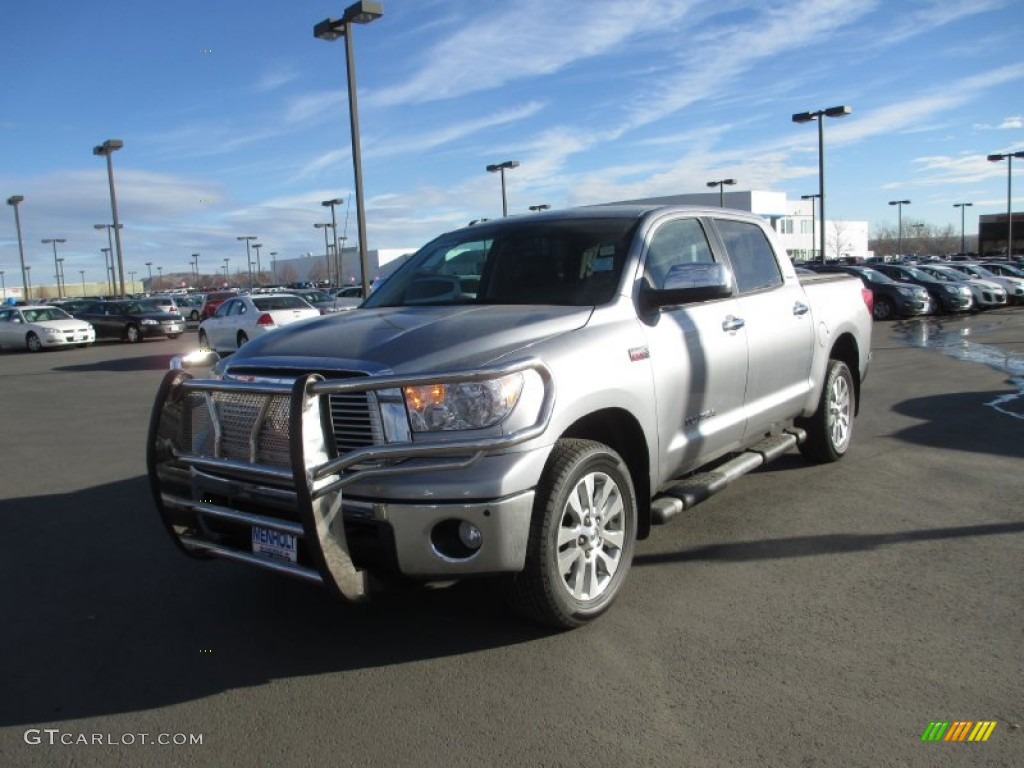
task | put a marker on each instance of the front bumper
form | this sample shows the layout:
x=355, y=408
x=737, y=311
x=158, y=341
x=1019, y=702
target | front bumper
x=162, y=329
x=232, y=461
x=68, y=339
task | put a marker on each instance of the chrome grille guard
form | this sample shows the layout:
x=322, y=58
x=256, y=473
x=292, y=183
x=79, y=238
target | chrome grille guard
x=209, y=502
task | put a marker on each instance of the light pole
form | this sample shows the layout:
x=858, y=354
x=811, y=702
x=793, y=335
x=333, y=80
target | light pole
x=1008, y=156
x=56, y=266
x=963, y=207
x=149, y=265
x=501, y=168
x=273, y=267
x=812, y=198
x=259, y=267
x=541, y=207
x=62, y=283
x=108, y=266
x=82, y=273
x=248, y=254
x=160, y=272
x=327, y=250
x=227, y=262
x=28, y=280
x=899, y=227
x=13, y=201
x=131, y=279
x=820, y=115
x=195, y=267
x=107, y=148
x=721, y=189
x=334, y=230
x=362, y=12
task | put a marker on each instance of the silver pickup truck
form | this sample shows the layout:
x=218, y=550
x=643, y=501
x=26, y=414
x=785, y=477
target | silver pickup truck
x=523, y=398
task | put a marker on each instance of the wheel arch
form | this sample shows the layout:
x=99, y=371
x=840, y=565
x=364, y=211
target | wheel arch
x=846, y=350
x=619, y=430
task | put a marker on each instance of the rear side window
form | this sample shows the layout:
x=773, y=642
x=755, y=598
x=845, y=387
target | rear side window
x=752, y=257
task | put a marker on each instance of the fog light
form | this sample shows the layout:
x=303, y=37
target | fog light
x=470, y=535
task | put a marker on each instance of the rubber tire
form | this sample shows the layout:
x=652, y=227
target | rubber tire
x=173, y=335
x=540, y=592
x=241, y=339
x=838, y=400
x=32, y=342
x=132, y=334
x=883, y=310
x=194, y=315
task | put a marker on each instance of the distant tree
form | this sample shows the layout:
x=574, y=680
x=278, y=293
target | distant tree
x=838, y=241
x=317, y=272
x=287, y=274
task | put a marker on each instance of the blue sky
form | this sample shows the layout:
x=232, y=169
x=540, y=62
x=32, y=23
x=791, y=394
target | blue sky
x=235, y=121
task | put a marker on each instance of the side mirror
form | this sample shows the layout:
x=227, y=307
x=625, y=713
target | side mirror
x=688, y=283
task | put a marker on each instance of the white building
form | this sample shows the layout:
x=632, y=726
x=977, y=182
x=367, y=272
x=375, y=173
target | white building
x=313, y=267
x=793, y=220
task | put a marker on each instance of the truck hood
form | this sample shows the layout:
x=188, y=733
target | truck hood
x=409, y=339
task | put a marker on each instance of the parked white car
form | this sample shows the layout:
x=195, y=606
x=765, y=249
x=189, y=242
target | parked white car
x=987, y=294
x=242, y=318
x=36, y=328
x=1014, y=286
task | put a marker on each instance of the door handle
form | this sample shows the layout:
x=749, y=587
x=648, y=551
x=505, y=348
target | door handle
x=732, y=323
x=800, y=308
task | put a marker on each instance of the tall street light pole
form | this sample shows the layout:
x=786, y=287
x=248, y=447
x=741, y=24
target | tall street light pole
x=899, y=226
x=82, y=273
x=62, y=283
x=362, y=12
x=248, y=254
x=108, y=267
x=273, y=267
x=106, y=149
x=259, y=267
x=334, y=230
x=963, y=240
x=327, y=251
x=820, y=115
x=195, y=267
x=28, y=282
x=541, y=207
x=56, y=266
x=1008, y=156
x=13, y=201
x=721, y=189
x=812, y=198
x=227, y=263
x=501, y=168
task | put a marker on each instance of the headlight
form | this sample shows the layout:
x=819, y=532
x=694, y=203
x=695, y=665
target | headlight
x=53, y=331
x=910, y=293
x=149, y=321
x=466, y=405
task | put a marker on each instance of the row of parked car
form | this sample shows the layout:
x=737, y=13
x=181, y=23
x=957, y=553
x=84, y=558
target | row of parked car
x=904, y=290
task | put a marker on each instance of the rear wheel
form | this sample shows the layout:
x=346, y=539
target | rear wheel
x=830, y=429
x=242, y=338
x=132, y=334
x=883, y=309
x=194, y=315
x=581, y=536
x=32, y=343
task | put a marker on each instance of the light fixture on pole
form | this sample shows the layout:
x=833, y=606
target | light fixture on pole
x=273, y=267
x=227, y=262
x=13, y=201
x=248, y=254
x=259, y=267
x=56, y=266
x=541, y=207
x=1008, y=157
x=820, y=115
x=334, y=230
x=721, y=184
x=362, y=12
x=82, y=273
x=195, y=267
x=963, y=240
x=812, y=198
x=501, y=168
x=327, y=250
x=899, y=227
x=106, y=149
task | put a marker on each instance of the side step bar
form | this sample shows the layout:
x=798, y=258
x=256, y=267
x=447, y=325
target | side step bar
x=690, y=492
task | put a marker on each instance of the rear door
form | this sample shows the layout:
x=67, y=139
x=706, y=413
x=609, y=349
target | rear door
x=778, y=323
x=698, y=356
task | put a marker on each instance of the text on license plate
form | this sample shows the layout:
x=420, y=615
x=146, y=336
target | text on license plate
x=266, y=541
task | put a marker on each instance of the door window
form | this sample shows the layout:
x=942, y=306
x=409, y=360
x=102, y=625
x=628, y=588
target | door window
x=681, y=241
x=753, y=260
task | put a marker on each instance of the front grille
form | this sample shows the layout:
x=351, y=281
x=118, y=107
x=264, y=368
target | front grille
x=355, y=423
x=237, y=415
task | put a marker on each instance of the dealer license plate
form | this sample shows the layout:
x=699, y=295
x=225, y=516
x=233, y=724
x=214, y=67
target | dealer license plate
x=276, y=544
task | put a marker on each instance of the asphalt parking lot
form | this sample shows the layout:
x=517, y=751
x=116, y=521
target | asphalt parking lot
x=806, y=616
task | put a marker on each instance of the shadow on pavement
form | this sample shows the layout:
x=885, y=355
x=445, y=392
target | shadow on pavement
x=102, y=614
x=123, y=364
x=825, y=544
x=977, y=422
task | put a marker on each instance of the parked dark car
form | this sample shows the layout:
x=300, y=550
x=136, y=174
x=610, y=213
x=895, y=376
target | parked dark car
x=948, y=297
x=892, y=299
x=213, y=300
x=131, y=320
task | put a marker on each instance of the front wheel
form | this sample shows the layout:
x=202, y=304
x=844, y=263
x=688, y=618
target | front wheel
x=883, y=309
x=830, y=429
x=32, y=343
x=133, y=334
x=581, y=536
x=241, y=339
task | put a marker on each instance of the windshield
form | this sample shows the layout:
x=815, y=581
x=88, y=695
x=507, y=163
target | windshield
x=874, y=275
x=42, y=315
x=978, y=271
x=947, y=274
x=573, y=262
